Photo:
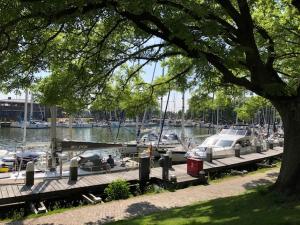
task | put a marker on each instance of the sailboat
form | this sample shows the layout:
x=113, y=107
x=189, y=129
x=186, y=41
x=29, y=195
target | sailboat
x=31, y=124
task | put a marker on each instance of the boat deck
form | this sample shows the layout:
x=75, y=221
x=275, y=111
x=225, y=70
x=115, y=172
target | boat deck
x=55, y=188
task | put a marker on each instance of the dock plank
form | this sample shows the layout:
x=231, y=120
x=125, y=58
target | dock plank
x=4, y=191
x=10, y=191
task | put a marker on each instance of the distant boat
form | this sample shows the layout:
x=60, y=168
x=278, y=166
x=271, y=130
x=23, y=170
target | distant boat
x=34, y=124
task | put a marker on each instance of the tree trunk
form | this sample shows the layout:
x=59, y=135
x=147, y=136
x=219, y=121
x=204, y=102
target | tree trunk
x=288, y=181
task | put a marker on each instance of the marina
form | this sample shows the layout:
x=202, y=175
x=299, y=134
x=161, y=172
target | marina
x=55, y=188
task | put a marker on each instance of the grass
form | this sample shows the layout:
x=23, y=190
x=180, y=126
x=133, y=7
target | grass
x=253, y=208
x=258, y=171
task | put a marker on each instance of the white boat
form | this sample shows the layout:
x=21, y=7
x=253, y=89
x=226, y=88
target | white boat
x=166, y=140
x=223, y=144
x=34, y=124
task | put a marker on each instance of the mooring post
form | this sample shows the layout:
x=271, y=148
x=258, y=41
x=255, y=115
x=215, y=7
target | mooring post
x=165, y=169
x=29, y=181
x=73, y=170
x=144, y=170
x=258, y=147
x=209, y=154
x=169, y=153
x=202, y=177
x=281, y=143
x=271, y=144
x=237, y=150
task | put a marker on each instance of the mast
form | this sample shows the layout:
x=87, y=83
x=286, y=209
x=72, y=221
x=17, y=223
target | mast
x=182, y=117
x=53, y=110
x=161, y=103
x=31, y=108
x=217, y=117
x=25, y=116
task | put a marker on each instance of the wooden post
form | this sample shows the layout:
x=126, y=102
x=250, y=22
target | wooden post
x=258, y=148
x=237, y=150
x=165, y=169
x=169, y=153
x=144, y=170
x=202, y=177
x=271, y=144
x=29, y=174
x=209, y=154
x=73, y=170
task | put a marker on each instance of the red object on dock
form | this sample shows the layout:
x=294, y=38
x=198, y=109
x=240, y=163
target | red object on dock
x=194, y=166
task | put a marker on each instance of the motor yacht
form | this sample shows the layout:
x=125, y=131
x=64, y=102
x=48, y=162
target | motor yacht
x=223, y=144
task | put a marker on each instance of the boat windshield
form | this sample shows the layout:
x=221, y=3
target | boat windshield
x=241, y=132
x=209, y=142
x=234, y=132
x=224, y=143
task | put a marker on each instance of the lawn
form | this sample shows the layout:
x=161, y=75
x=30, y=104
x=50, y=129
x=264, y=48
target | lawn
x=253, y=208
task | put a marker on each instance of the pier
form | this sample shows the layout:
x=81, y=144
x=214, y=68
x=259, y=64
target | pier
x=55, y=188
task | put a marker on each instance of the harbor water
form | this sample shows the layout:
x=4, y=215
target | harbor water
x=10, y=138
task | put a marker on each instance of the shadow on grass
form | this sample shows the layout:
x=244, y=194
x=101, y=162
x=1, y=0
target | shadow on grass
x=142, y=208
x=105, y=220
x=248, y=209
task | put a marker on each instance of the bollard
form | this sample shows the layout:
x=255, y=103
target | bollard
x=202, y=177
x=73, y=170
x=165, y=169
x=281, y=143
x=209, y=154
x=29, y=174
x=169, y=153
x=173, y=182
x=144, y=170
x=258, y=148
x=271, y=144
x=237, y=150
x=173, y=178
x=264, y=145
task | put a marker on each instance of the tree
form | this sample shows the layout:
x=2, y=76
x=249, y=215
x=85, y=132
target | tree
x=251, y=106
x=253, y=44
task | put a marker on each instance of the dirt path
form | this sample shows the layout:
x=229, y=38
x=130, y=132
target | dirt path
x=141, y=205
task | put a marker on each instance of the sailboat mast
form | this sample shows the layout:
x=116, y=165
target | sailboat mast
x=53, y=110
x=182, y=117
x=31, y=108
x=25, y=116
x=161, y=102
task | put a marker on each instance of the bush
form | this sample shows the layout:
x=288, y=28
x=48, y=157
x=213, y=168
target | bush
x=118, y=189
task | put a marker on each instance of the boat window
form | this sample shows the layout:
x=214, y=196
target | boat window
x=241, y=132
x=224, y=143
x=209, y=142
x=231, y=132
x=224, y=131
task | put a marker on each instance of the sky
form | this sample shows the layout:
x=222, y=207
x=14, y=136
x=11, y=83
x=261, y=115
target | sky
x=175, y=101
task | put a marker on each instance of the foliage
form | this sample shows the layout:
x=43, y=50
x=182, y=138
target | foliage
x=55, y=89
x=118, y=189
x=132, y=95
x=251, y=105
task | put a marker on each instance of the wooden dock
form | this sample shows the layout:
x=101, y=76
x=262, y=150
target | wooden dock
x=55, y=188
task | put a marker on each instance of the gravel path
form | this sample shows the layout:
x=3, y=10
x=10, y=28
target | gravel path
x=141, y=205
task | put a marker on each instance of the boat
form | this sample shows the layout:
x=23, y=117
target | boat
x=167, y=140
x=33, y=124
x=223, y=144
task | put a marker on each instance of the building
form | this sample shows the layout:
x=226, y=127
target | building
x=13, y=110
